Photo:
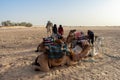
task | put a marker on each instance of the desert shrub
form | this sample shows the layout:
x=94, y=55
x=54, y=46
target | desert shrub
x=9, y=23
x=28, y=25
x=6, y=23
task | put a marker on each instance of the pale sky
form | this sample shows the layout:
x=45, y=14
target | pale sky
x=65, y=12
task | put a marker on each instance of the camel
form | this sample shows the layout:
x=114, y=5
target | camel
x=43, y=63
x=49, y=26
x=71, y=39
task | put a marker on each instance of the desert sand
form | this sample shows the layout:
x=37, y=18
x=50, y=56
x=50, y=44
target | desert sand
x=17, y=52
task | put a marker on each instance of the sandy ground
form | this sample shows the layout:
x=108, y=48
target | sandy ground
x=17, y=46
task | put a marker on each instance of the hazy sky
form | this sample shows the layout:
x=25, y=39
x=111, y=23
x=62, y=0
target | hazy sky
x=65, y=12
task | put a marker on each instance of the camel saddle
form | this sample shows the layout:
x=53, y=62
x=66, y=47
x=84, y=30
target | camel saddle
x=48, y=41
x=57, y=51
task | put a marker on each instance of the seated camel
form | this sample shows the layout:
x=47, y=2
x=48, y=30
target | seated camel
x=75, y=38
x=82, y=40
x=44, y=63
x=79, y=53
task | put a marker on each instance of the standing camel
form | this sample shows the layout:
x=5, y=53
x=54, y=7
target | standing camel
x=49, y=28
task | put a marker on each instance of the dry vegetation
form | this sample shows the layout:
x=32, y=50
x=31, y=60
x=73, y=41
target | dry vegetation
x=17, y=46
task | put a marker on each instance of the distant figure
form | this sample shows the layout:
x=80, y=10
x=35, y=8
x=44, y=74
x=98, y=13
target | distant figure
x=91, y=36
x=49, y=28
x=60, y=30
x=54, y=29
x=55, y=34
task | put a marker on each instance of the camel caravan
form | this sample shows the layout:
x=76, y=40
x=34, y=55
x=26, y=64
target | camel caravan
x=57, y=50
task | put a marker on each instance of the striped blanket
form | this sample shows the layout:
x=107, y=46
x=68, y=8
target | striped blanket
x=48, y=41
x=57, y=51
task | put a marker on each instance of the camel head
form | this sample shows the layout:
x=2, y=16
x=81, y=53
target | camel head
x=85, y=51
x=70, y=36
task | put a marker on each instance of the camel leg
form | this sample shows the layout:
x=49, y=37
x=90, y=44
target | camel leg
x=41, y=68
x=43, y=63
x=56, y=62
x=70, y=62
x=38, y=48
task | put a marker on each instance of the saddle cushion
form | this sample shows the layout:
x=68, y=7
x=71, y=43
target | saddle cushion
x=56, y=51
x=48, y=41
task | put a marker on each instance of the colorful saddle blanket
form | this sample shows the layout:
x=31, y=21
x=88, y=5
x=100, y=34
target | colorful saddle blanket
x=48, y=41
x=57, y=51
